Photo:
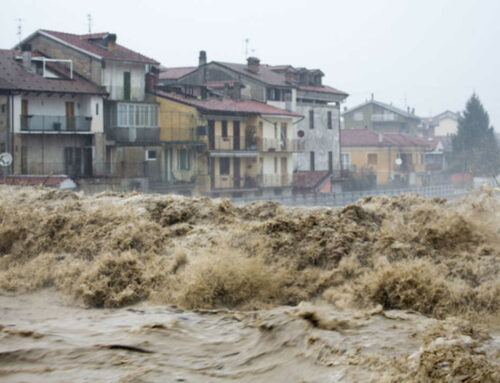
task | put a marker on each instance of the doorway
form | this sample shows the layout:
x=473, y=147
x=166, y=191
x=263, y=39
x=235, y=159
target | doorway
x=70, y=116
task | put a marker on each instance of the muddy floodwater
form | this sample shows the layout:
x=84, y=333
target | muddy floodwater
x=44, y=339
x=149, y=288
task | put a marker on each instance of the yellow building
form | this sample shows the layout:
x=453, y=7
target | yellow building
x=397, y=159
x=235, y=147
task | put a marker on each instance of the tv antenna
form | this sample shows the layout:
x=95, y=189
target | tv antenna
x=19, y=28
x=89, y=20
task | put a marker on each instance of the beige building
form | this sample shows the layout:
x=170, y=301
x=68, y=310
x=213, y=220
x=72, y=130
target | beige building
x=247, y=146
x=397, y=159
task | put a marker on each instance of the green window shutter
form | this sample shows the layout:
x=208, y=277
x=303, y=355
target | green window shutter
x=126, y=85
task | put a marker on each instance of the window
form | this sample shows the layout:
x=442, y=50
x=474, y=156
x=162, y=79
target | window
x=96, y=109
x=330, y=161
x=224, y=129
x=275, y=130
x=311, y=119
x=372, y=158
x=3, y=108
x=137, y=115
x=224, y=166
x=150, y=155
x=346, y=160
x=184, y=159
x=358, y=116
x=275, y=165
x=311, y=155
x=126, y=85
x=329, y=116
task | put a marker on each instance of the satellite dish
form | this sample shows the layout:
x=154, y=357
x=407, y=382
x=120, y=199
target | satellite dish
x=5, y=159
x=399, y=161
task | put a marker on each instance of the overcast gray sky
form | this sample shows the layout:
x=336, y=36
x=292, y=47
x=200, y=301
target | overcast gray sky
x=426, y=54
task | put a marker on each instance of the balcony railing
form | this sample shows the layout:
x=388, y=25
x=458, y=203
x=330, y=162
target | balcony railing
x=281, y=145
x=147, y=136
x=256, y=144
x=232, y=143
x=179, y=134
x=275, y=180
x=42, y=123
x=230, y=182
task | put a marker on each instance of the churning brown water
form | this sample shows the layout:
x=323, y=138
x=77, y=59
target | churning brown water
x=148, y=288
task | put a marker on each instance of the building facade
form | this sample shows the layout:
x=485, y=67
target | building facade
x=131, y=132
x=246, y=147
x=381, y=117
x=294, y=89
x=395, y=159
x=51, y=117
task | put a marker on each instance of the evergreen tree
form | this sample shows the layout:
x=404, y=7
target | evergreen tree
x=475, y=149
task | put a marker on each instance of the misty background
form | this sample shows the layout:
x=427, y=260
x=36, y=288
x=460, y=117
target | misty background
x=429, y=55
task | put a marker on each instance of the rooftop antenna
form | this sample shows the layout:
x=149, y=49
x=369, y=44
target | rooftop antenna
x=19, y=28
x=247, y=40
x=89, y=19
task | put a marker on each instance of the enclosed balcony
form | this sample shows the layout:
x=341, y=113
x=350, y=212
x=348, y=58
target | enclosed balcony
x=133, y=135
x=54, y=124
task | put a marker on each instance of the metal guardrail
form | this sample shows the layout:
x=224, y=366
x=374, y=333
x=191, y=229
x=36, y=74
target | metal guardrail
x=342, y=199
x=43, y=123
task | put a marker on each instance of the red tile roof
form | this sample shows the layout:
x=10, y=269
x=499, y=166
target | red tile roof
x=368, y=137
x=309, y=179
x=322, y=89
x=13, y=76
x=230, y=106
x=84, y=42
x=175, y=73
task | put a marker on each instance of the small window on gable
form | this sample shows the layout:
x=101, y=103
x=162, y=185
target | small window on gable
x=151, y=155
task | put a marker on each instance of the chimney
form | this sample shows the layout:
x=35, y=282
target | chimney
x=202, y=69
x=413, y=111
x=26, y=50
x=237, y=91
x=202, y=60
x=289, y=76
x=152, y=78
x=253, y=64
x=111, y=42
x=380, y=138
x=226, y=90
x=372, y=96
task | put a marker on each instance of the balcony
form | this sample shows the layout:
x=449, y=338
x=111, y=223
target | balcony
x=179, y=134
x=230, y=143
x=275, y=180
x=281, y=145
x=138, y=136
x=63, y=124
x=231, y=182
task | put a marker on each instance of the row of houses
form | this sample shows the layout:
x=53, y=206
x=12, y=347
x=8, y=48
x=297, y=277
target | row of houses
x=89, y=108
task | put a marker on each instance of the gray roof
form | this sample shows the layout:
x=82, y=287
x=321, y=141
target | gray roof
x=385, y=106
